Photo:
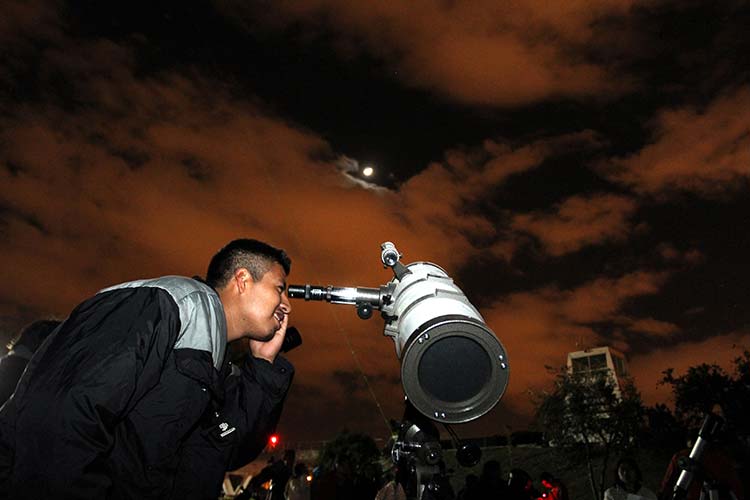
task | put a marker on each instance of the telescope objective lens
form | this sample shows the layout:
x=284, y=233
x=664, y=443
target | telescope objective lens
x=454, y=369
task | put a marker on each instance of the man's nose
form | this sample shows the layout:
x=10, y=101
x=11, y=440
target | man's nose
x=286, y=307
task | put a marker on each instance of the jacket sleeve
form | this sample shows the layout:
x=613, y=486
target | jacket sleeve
x=11, y=368
x=106, y=355
x=254, y=399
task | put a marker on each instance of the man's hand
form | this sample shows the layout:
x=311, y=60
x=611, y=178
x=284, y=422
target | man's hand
x=269, y=349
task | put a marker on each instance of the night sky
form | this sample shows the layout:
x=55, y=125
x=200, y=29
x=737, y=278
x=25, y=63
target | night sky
x=580, y=168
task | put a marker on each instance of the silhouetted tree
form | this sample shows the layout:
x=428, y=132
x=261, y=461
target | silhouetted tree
x=352, y=460
x=585, y=413
x=663, y=430
x=704, y=386
x=701, y=388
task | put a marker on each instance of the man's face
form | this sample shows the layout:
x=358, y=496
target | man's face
x=264, y=304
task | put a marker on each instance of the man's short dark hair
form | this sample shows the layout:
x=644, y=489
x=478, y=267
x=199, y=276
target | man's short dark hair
x=255, y=256
x=32, y=335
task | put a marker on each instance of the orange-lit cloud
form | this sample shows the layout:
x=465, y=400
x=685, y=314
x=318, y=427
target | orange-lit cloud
x=698, y=149
x=579, y=221
x=690, y=257
x=652, y=327
x=720, y=350
x=23, y=17
x=540, y=327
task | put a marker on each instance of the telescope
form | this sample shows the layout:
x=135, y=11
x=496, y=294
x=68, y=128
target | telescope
x=692, y=465
x=453, y=367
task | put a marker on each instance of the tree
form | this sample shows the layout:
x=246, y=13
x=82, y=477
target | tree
x=701, y=388
x=587, y=413
x=352, y=460
x=663, y=430
x=704, y=386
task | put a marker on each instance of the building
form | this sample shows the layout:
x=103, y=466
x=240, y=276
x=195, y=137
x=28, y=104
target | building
x=599, y=359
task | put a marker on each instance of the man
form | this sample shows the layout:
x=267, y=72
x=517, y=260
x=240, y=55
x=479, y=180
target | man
x=132, y=397
x=21, y=349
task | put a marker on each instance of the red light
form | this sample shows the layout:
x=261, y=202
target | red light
x=273, y=440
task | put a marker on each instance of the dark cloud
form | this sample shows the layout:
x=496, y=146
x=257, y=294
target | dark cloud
x=355, y=382
x=483, y=53
x=351, y=382
x=9, y=216
x=319, y=414
x=196, y=169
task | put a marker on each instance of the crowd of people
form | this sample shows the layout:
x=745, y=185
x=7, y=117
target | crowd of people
x=715, y=472
x=517, y=485
x=286, y=479
x=492, y=484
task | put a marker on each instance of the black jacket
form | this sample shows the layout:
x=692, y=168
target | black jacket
x=131, y=398
x=12, y=366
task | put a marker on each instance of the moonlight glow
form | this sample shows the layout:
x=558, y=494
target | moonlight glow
x=368, y=171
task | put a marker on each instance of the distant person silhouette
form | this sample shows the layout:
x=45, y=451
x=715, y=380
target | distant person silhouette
x=391, y=490
x=21, y=349
x=281, y=473
x=521, y=486
x=470, y=491
x=555, y=489
x=628, y=482
x=298, y=487
x=491, y=483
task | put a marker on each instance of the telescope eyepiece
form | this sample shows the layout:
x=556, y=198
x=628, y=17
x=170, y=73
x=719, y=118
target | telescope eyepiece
x=307, y=292
x=296, y=291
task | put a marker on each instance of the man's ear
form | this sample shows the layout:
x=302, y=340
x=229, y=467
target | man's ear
x=243, y=280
